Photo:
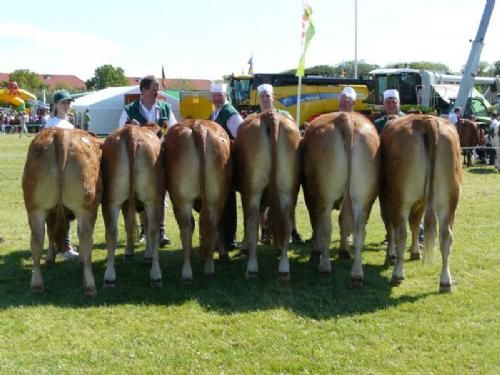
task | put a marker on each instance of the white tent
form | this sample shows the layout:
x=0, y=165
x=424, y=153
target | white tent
x=105, y=107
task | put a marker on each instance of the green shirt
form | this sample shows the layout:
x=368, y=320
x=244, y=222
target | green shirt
x=134, y=112
x=380, y=122
x=224, y=114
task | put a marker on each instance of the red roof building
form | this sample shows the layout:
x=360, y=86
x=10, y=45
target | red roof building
x=52, y=80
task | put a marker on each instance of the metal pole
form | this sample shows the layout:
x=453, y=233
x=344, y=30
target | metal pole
x=355, y=39
x=299, y=89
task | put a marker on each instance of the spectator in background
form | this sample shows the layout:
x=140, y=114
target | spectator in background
x=23, y=120
x=86, y=120
x=455, y=116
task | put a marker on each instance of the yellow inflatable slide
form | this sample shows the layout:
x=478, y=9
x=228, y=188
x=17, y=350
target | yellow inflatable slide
x=15, y=96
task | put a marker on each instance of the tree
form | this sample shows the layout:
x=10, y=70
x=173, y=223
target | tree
x=26, y=79
x=421, y=65
x=107, y=76
x=496, y=67
x=344, y=69
x=485, y=69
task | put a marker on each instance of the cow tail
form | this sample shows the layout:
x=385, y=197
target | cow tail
x=431, y=137
x=131, y=145
x=345, y=123
x=200, y=134
x=61, y=226
x=273, y=128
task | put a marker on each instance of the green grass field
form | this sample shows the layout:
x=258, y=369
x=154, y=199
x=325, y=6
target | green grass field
x=311, y=325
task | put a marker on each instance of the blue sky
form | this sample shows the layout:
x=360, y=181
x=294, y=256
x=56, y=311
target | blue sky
x=209, y=38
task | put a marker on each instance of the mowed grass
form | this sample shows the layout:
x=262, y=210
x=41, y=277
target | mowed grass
x=227, y=324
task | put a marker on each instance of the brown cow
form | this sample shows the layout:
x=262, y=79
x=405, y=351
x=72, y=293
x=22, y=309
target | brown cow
x=421, y=172
x=198, y=174
x=340, y=170
x=468, y=133
x=268, y=163
x=133, y=176
x=62, y=175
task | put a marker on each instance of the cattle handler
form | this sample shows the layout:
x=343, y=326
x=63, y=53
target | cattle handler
x=228, y=117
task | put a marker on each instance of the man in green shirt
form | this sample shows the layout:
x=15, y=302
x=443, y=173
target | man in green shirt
x=228, y=117
x=391, y=107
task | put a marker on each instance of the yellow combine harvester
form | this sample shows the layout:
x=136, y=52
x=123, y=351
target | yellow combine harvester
x=319, y=95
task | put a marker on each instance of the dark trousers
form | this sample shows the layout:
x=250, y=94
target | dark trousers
x=229, y=219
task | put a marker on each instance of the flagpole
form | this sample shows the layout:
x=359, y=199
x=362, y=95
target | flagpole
x=299, y=89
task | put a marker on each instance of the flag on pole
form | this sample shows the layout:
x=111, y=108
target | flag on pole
x=162, y=77
x=250, y=65
x=307, y=34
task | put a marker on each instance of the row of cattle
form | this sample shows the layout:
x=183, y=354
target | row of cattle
x=414, y=168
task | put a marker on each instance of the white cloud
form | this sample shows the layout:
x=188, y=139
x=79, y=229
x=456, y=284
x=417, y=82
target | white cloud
x=49, y=51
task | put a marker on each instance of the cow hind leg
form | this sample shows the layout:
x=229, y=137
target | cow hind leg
x=86, y=223
x=51, y=250
x=359, y=234
x=345, y=230
x=415, y=221
x=152, y=243
x=282, y=230
x=37, y=225
x=445, y=242
x=401, y=235
x=110, y=215
x=251, y=207
x=182, y=213
x=322, y=228
x=209, y=219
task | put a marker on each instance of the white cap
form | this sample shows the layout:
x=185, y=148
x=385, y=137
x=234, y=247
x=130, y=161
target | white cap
x=218, y=88
x=265, y=87
x=349, y=92
x=392, y=93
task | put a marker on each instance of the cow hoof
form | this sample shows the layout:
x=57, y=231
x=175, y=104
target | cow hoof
x=314, y=256
x=148, y=260
x=210, y=275
x=250, y=275
x=109, y=284
x=284, y=276
x=415, y=256
x=158, y=283
x=445, y=288
x=344, y=254
x=50, y=263
x=397, y=280
x=390, y=260
x=356, y=282
x=38, y=289
x=224, y=258
x=185, y=281
x=129, y=255
x=90, y=291
x=324, y=273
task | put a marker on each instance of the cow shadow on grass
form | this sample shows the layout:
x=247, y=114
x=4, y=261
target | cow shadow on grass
x=482, y=170
x=306, y=294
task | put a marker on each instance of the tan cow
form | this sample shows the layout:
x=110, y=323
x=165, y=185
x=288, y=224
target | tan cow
x=133, y=176
x=267, y=156
x=198, y=174
x=62, y=176
x=340, y=170
x=421, y=172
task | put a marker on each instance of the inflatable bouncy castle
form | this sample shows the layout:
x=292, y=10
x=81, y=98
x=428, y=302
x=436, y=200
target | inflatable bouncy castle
x=15, y=96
